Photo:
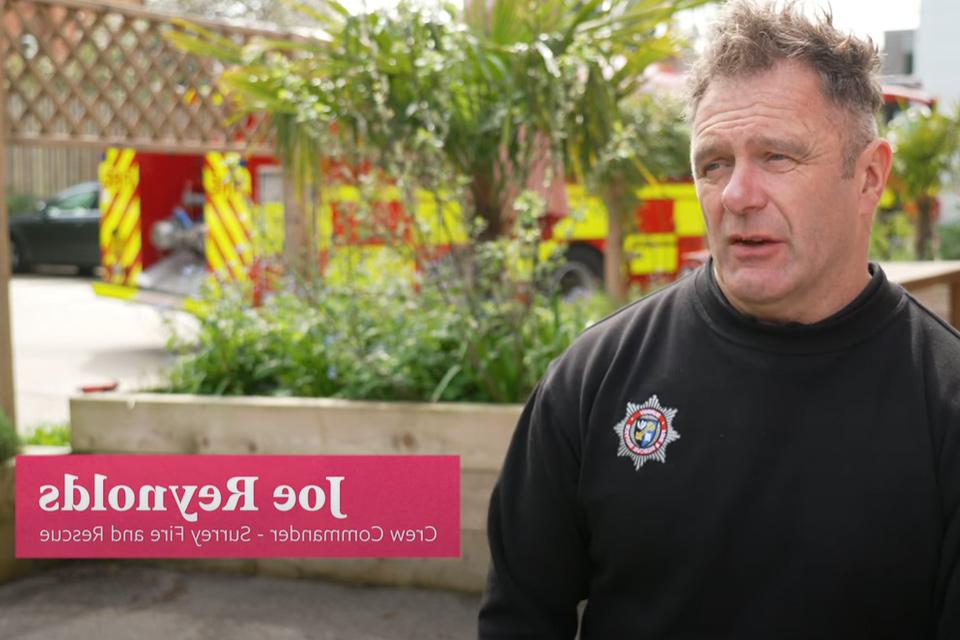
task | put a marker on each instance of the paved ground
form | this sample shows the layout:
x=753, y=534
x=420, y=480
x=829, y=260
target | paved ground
x=65, y=337
x=110, y=601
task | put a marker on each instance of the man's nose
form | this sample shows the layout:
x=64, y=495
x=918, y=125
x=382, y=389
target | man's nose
x=744, y=192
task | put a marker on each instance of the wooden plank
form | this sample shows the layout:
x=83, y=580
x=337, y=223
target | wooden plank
x=475, y=489
x=42, y=171
x=135, y=11
x=7, y=397
x=916, y=275
x=159, y=423
x=141, y=144
x=10, y=566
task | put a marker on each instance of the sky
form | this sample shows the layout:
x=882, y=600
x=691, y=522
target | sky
x=862, y=17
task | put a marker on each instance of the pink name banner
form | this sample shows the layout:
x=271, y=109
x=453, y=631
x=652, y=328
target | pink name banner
x=211, y=506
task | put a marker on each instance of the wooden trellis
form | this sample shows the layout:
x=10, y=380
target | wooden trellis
x=94, y=74
x=85, y=73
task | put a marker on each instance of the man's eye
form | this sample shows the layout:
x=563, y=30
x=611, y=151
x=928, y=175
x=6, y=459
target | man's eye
x=710, y=166
x=777, y=157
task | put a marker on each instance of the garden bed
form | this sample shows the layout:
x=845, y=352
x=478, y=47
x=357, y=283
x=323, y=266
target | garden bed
x=185, y=424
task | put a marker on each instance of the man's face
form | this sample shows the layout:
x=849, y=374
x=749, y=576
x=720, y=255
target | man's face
x=789, y=234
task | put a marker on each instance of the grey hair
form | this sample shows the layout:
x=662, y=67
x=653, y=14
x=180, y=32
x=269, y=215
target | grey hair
x=752, y=37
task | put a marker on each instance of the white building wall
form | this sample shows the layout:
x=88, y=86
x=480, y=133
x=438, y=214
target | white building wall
x=938, y=49
x=937, y=64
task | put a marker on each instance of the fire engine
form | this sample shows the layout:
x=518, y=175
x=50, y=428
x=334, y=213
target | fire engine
x=171, y=224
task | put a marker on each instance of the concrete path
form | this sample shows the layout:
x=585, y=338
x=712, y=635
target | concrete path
x=120, y=600
x=65, y=337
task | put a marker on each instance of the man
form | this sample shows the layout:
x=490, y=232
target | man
x=769, y=448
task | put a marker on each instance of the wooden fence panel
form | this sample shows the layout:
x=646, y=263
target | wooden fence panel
x=86, y=73
x=42, y=171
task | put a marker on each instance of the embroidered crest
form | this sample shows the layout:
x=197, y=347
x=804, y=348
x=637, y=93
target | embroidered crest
x=646, y=431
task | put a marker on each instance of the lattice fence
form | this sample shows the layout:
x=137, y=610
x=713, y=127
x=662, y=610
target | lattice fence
x=85, y=73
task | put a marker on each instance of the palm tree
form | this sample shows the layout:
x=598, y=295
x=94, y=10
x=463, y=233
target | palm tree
x=486, y=93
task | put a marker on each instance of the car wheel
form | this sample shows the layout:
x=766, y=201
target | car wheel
x=18, y=261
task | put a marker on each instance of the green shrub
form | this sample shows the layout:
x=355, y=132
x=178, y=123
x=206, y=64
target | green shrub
x=406, y=345
x=50, y=435
x=949, y=241
x=9, y=441
x=21, y=203
x=892, y=236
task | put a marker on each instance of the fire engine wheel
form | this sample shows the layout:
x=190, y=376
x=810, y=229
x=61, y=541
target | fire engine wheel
x=18, y=261
x=581, y=273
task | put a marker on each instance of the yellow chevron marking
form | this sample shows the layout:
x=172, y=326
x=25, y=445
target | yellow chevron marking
x=239, y=239
x=131, y=221
x=214, y=259
x=118, y=201
x=222, y=239
x=240, y=205
x=126, y=159
x=120, y=205
x=130, y=251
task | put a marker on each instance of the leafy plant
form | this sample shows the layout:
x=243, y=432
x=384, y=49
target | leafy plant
x=926, y=149
x=56, y=434
x=891, y=237
x=9, y=440
x=394, y=343
x=950, y=241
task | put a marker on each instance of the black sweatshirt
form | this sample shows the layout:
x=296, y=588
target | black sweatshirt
x=693, y=473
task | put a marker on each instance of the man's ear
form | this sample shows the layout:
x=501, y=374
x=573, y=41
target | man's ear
x=876, y=160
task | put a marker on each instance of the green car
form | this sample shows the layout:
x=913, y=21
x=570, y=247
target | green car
x=64, y=230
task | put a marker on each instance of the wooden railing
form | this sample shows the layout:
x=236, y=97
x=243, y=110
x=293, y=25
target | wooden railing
x=916, y=277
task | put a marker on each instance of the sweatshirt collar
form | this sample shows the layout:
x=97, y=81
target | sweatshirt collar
x=866, y=314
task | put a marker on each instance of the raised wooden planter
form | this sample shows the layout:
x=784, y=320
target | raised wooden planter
x=10, y=567
x=478, y=433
